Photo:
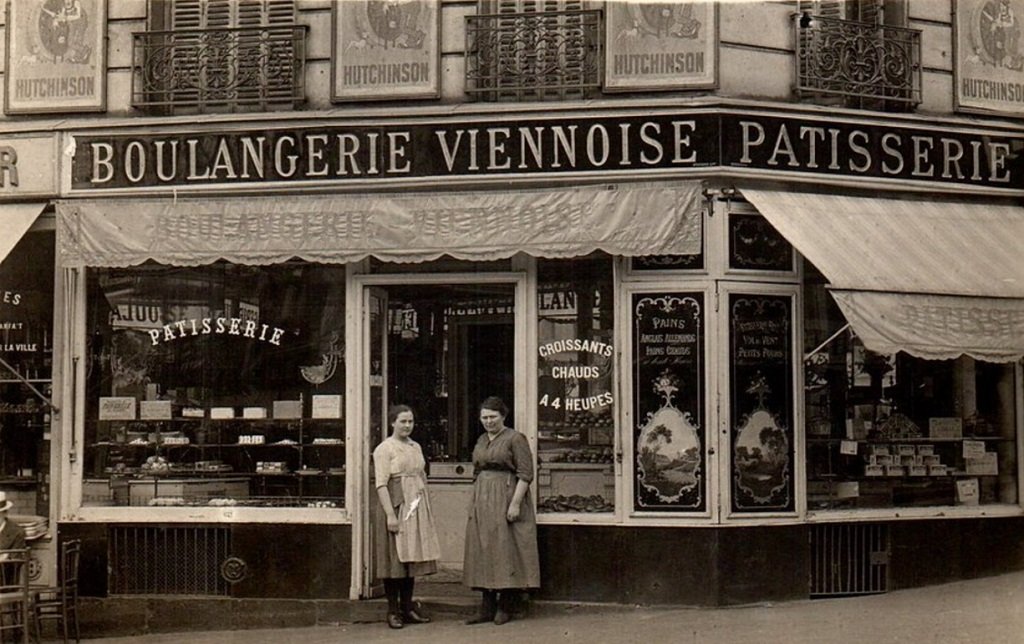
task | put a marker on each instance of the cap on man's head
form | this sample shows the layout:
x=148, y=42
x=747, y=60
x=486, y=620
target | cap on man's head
x=5, y=504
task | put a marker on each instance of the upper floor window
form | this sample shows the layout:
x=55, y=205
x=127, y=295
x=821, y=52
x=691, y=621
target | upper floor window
x=533, y=50
x=207, y=55
x=858, y=53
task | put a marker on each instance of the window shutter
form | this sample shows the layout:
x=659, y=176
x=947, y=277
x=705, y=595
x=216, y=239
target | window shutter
x=878, y=12
x=201, y=14
x=870, y=11
x=213, y=14
x=529, y=6
x=549, y=53
x=187, y=14
x=823, y=8
x=280, y=12
x=245, y=73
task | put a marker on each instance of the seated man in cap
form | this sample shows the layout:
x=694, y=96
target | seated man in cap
x=12, y=536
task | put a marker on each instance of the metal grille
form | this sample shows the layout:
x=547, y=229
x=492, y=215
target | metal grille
x=200, y=68
x=849, y=559
x=168, y=560
x=548, y=55
x=860, y=61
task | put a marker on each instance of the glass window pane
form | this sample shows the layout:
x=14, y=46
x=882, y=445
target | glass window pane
x=215, y=385
x=670, y=473
x=755, y=245
x=668, y=262
x=761, y=395
x=898, y=431
x=575, y=414
x=26, y=346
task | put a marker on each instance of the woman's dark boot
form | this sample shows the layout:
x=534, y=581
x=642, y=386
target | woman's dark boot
x=503, y=614
x=411, y=613
x=487, y=608
x=392, y=588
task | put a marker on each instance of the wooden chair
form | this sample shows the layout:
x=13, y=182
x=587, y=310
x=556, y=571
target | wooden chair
x=15, y=599
x=60, y=603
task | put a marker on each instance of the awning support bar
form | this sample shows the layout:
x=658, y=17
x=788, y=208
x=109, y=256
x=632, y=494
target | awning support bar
x=46, y=401
x=826, y=342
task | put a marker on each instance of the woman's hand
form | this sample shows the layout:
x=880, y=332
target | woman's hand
x=392, y=524
x=516, y=504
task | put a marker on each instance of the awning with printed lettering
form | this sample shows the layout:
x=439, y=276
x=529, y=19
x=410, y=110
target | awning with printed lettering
x=628, y=220
x=934, y=279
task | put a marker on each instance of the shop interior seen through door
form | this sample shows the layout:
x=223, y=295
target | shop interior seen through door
x=448, y=348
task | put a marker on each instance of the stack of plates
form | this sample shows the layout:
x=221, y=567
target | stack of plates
x=34, y=526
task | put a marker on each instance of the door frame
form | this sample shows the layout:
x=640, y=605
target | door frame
x=718, y=434
x=628, y=423
x=357, y=405
x=724, y=289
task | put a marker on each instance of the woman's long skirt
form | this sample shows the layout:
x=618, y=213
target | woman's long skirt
x=386, y=561
x=499, y=554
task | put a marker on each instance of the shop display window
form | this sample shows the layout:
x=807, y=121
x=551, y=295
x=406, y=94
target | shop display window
x=575, y=413
x=26, y=346
x=898, y=431
x=218, y=385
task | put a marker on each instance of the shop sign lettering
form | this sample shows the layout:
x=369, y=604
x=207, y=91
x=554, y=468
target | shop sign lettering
x=19, y=347
x=679, y=140
x=856, y=150
x=117, y=408
x=596, y=347
x=9, y=346
x=562, y=302
x=135, y=316
x=8, y=166
x=28, y=165
x=760, y=340
x=206, y=326
x=575, y=371
x=10, y=297
x=28, y=407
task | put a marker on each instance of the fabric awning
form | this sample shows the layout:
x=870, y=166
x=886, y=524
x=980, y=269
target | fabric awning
x=15, y=220
x=629, y=220
x=934, y=279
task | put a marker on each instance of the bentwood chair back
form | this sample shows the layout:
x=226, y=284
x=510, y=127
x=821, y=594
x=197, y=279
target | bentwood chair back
x=14, y=595
x=60, y=603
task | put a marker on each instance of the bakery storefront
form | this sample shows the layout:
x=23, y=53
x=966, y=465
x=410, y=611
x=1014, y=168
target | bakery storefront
x=716, y=363
x=28, y=183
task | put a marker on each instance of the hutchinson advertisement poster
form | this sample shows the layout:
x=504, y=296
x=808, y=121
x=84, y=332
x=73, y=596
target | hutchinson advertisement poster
x=55, y=56
x=385, y=49
x=990, y=55
x=660, y=45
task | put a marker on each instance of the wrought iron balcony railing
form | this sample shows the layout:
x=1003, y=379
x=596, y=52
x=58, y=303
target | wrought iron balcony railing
x=219, y=68
x=866, y=63
x=549, y=55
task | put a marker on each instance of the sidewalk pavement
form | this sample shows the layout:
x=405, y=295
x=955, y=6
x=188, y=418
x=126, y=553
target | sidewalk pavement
x=979, y=611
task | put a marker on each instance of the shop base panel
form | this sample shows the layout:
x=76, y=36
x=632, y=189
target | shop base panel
x=263, y=560
x=934, y=552
x=298, y=575
x=688, y=566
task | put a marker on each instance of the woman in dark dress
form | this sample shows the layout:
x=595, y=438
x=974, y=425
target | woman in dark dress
x=501, y=533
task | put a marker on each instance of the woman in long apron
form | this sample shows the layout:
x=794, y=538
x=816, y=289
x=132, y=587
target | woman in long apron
x=406, y=543
x=501, y=533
